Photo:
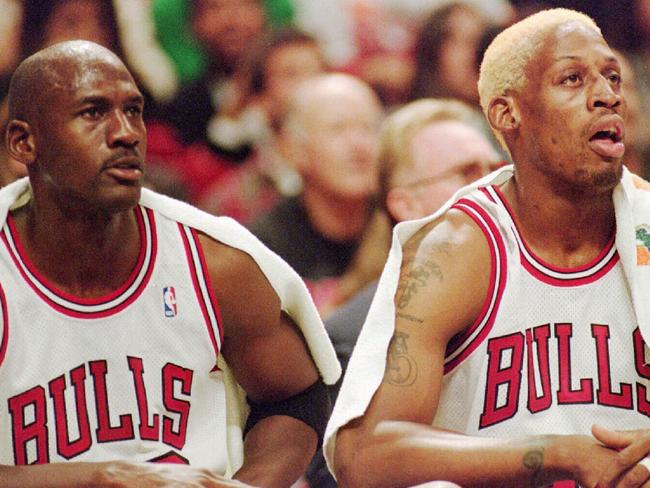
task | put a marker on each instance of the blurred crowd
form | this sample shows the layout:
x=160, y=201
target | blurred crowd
x=297, y=117
x=271, y=111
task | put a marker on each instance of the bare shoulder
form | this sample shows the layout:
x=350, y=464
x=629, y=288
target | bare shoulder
x=255, y=327
x=453, y=234
x=243, y=292
x=445, y=273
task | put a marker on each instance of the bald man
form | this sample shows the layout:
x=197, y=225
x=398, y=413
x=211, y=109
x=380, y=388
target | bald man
x=503, y=327
x=331, y=136
x=133, y=326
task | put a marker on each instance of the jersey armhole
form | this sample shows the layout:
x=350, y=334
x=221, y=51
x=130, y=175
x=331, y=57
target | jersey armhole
x=203, y=286
x=462, y=345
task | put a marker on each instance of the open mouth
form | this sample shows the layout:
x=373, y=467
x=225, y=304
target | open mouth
x=613, y=135
x=607, y=140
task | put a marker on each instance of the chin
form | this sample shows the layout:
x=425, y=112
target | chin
x=122, y=201
x=601, y=180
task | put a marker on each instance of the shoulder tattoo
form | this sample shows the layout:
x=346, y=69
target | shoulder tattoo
x=418, y=276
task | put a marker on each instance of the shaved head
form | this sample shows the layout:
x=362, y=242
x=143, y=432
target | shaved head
x=75, y=122
x=319, y=92
x=45, y=74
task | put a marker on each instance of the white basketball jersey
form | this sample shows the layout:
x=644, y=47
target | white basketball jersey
x=554, y=350
x=131, y=375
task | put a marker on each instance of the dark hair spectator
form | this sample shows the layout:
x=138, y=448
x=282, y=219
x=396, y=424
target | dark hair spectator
x=46, y=22
x=445, y=53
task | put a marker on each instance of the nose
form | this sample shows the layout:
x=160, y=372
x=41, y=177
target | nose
x=604, y=94
x=123, y=130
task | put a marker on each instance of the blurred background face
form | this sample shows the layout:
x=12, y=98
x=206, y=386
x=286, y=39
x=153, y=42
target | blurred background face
x=285, y=69
x=446, y=156
x=228, y=28
x=78, y=19
x=458, y=63
x=341, y=142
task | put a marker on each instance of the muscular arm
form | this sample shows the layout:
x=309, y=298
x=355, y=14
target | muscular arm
x=270, y=361
x=443, y=284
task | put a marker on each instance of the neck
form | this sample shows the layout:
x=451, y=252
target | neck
x=566, y=229
x=84, y=255
x=337, y=219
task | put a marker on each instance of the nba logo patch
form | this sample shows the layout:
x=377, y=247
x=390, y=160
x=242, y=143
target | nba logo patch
x=169, y=301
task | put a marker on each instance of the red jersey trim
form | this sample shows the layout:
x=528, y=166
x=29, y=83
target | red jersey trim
x=547, y=273
x=89, y=308
x=461, y=346
x=4, y=326
x=203, y=286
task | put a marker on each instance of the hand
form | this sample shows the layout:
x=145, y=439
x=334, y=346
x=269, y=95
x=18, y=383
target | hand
x=624, y=469
x=123, y=474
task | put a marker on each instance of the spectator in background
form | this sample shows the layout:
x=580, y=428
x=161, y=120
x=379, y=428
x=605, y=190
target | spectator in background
x=429, y=149
x=448, y=53
x=10, y=169
x=226, y=30
x=445, y=53
x=636, y=146
x=269, y=74
x=331, y=136
x=639, y=62
x=10, y=27
x=46, y=22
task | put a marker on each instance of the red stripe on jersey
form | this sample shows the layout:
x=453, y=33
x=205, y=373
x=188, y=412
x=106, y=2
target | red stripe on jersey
x=199, y=275
x=466, y=343
x=208, y=283
x=554, y=275
x=88, y=308
x=4, y=322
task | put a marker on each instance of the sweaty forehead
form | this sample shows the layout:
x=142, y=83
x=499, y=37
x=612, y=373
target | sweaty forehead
x=85, y=71
x=569, y=41
x=574, y=40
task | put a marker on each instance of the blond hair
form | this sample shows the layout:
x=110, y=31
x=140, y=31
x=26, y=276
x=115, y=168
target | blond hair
x=504, y=64
x=398, y=129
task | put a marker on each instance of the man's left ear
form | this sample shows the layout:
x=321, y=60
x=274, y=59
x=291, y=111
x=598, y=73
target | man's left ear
x=20, y=142
x=503, y=114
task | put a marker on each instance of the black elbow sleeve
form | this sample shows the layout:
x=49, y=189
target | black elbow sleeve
x=312, y=406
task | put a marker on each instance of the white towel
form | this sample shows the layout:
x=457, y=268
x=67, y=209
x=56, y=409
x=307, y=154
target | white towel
x=366, y=367
x=291, y=290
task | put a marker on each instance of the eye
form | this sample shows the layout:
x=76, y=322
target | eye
x=91, y=113
x=133, y=110
x=572, y=79
x=614, y=78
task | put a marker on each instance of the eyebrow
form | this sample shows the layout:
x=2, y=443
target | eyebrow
x=99, y=99
x=610, y=59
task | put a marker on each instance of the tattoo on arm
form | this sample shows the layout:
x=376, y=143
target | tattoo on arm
x=410, y=318
x=534, y=461
x=401, y=369
x=418, y=277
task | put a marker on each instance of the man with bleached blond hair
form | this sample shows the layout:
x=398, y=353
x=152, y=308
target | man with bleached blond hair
x=505, y=345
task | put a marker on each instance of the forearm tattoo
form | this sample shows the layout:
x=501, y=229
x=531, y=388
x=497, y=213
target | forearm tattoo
x=401, y=368
x=534, y=462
